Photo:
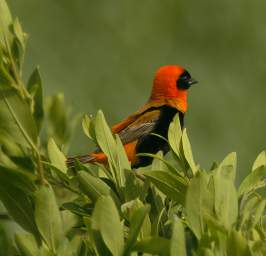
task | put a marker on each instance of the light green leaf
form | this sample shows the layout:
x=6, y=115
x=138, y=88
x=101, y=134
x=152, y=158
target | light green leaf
x=197, y=203
x=48, y=217
x=174, y=135
x=104, y=136
x=20, y=35
x=237, y=245
x=188, y=152
x=178, y=242
x=26, y=244
x=228, y=165
x=5, y=21
x=56, y=157
x=106, y=219
x=253, y=181
x=260, y=161
x=226, y=203
x=88, y=127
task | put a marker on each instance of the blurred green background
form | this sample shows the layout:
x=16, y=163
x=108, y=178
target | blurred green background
x=103, y=54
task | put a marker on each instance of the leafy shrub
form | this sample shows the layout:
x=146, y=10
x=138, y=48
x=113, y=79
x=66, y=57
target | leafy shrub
x=168, y=208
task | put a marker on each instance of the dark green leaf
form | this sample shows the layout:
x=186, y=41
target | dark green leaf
x=136, y=222
x=94, y=187
x=153, y=245
x=171, y=185
x=16, y=119
x=35, y=89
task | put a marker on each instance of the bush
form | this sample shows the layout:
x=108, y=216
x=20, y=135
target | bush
x=168, y=208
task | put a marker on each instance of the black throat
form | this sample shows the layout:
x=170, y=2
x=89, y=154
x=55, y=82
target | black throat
x=153, y=144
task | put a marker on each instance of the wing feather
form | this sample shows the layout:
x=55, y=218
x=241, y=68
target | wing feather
x=142, y=126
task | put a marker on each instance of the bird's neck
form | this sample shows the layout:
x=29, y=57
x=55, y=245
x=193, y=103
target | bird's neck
x=179, y=102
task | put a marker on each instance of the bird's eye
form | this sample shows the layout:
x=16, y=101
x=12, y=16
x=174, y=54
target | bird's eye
x=183, y=82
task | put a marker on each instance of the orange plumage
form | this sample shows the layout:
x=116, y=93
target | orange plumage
x=168, y=97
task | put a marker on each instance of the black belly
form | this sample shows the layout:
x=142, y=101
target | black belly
x=153, y=144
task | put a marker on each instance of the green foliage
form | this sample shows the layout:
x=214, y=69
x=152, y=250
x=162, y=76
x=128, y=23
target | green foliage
x=167, y=208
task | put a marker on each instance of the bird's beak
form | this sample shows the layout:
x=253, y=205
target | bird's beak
x=192, y=81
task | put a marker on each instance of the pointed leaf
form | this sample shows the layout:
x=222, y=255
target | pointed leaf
x=56, y=157
x=94, y=187
x=188, y=152
x=35, y=89
x=48, y=217
x=106, y=219
x=136, y=222
x=260, y=161
x=252, y=181
x=171, y=185
x=178, y=242
x=174, y=135
x=26, y=244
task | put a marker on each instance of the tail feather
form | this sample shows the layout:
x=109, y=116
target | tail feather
x=83, y=159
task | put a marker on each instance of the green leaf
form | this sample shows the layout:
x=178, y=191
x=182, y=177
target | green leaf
x=188, y=152
x=260, y=161
x=122, y=162
x=5, y=21
x=197, y=203
x=104, y=137
x=153, y=245
x=58, y=126
x=136, y=223
x=56, y=157
x=252, y=181
x=88, y=127
x=48, y=217
x=178, y=242
x=94, y=187
x=226, y=203
x=174, y=135
x=35, y=90
x=18, y=205
x=26, y=244
x=237, y=245
x=106, y=219
x=171, y=185
x=20, y=35
x=229, y=165
x=16, y=119
x=6, y=81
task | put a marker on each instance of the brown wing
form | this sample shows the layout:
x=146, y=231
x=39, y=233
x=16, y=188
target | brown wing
x=142, y=126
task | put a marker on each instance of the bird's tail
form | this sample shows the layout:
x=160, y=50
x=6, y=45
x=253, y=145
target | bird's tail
x=83, y=159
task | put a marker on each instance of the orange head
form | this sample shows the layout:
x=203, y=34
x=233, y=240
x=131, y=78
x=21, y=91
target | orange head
x=171, y=84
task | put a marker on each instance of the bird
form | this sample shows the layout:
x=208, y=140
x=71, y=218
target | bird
x=137, y=132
